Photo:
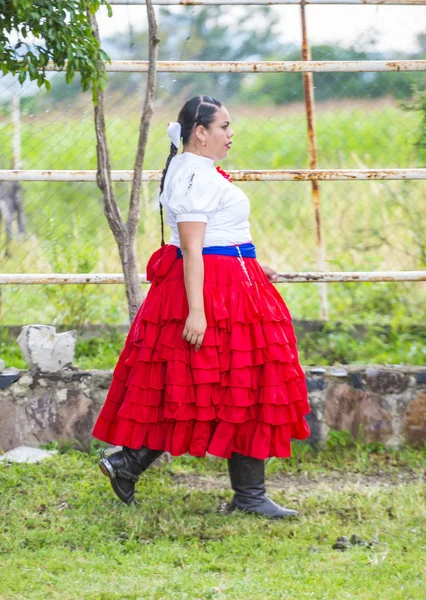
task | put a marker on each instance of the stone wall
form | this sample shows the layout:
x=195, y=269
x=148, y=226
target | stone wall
x=388, y=402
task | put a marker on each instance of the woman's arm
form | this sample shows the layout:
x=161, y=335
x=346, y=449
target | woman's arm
x=191, y=235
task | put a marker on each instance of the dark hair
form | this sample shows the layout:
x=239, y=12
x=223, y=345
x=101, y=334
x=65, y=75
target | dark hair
x=199, y=110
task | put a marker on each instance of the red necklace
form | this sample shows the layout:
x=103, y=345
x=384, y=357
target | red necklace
x=224, y=173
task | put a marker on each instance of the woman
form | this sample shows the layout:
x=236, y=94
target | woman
x=210, y=363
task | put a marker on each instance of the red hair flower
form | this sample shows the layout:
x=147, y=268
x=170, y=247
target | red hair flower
x=224, y=173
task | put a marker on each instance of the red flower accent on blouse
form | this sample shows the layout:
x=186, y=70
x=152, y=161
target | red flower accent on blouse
x=224, y=173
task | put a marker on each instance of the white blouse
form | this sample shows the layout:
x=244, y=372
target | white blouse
x=195, y=191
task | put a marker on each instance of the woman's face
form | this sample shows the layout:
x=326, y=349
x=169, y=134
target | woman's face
x=217, y=137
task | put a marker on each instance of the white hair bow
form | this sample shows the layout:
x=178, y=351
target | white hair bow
x=174, y=132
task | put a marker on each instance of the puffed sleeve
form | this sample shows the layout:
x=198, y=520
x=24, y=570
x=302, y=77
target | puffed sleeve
x=195, y=196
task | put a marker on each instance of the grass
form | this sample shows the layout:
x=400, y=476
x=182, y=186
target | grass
x=336, y=344
x=367, y=225
x=66, y=536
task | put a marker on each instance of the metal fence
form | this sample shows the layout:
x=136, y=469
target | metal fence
x=364, y=224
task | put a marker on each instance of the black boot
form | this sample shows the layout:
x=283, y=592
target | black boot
x=248, y=482
x=124, y=467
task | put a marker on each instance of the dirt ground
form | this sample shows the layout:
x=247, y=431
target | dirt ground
x=307, y=482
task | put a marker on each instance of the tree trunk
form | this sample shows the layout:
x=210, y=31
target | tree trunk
x=148, y=109
x=125, y=234
x=134, y=294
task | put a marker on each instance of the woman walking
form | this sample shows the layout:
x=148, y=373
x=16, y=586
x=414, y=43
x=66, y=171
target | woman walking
x=210, y=363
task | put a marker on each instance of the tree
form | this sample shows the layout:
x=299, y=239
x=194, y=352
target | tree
x=418, y=103
x=61, y=33
x=66, y=33
x=125, y=233
x=201, y=34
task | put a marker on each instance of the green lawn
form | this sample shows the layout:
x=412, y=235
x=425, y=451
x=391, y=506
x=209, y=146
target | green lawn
x=367, y=225
x=65, y=535
x=334, y=345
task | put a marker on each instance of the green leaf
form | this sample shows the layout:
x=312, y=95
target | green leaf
x=62, y=31
x=70, y=74
x=33, y=71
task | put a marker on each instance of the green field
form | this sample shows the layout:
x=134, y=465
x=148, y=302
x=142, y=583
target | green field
x=66, y=536
x=367, y=225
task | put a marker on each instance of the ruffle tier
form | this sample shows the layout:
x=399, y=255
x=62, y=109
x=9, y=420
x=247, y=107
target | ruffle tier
x=243, y=391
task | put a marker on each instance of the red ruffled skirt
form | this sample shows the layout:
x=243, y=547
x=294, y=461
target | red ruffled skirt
x=243, y=391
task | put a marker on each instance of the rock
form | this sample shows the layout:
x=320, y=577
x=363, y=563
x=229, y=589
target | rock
x=339, y=372
x=314, y=426
x=45, y=350
x=347, y=408
x=421, y=377
x=415, y=420
x=355, y=539
x=9, y=425
x=386, y=381
x=316, y=383
x=341, y=546
x=26, y=380
x=74, y=414
x=317, y=371
x=375, y=420
x=8, y=376
x=342, y=543
x=358, y=541
x=356, y=381
x=26, y=454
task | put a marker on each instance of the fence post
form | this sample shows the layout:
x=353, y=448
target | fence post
x=16, y=139
x=313, y=164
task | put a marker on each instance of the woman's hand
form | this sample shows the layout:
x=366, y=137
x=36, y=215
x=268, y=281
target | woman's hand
x=195, y=327
x=270, y=273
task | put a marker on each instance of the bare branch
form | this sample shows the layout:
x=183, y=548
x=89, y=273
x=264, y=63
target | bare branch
x=148, y=109
x=126, y=243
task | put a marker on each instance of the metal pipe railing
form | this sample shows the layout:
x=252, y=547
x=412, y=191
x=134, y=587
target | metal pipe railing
x=294, y=277
x=265, y=66
x=267, y=2
x=306, y=66
x=240, y=175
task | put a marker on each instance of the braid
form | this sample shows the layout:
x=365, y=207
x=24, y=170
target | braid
x=199, y=110
x=173, y=152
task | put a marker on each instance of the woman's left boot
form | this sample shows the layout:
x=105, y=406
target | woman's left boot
x=124, y=468
x=247, y=476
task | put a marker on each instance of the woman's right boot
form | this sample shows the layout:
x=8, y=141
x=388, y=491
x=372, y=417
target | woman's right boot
x=124, y=468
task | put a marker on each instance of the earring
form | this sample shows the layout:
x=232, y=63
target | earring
x=204, y=143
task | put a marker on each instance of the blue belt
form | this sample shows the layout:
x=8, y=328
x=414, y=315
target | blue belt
x=247, y=250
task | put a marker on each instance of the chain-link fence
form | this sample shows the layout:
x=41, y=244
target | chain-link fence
x=362, y=120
